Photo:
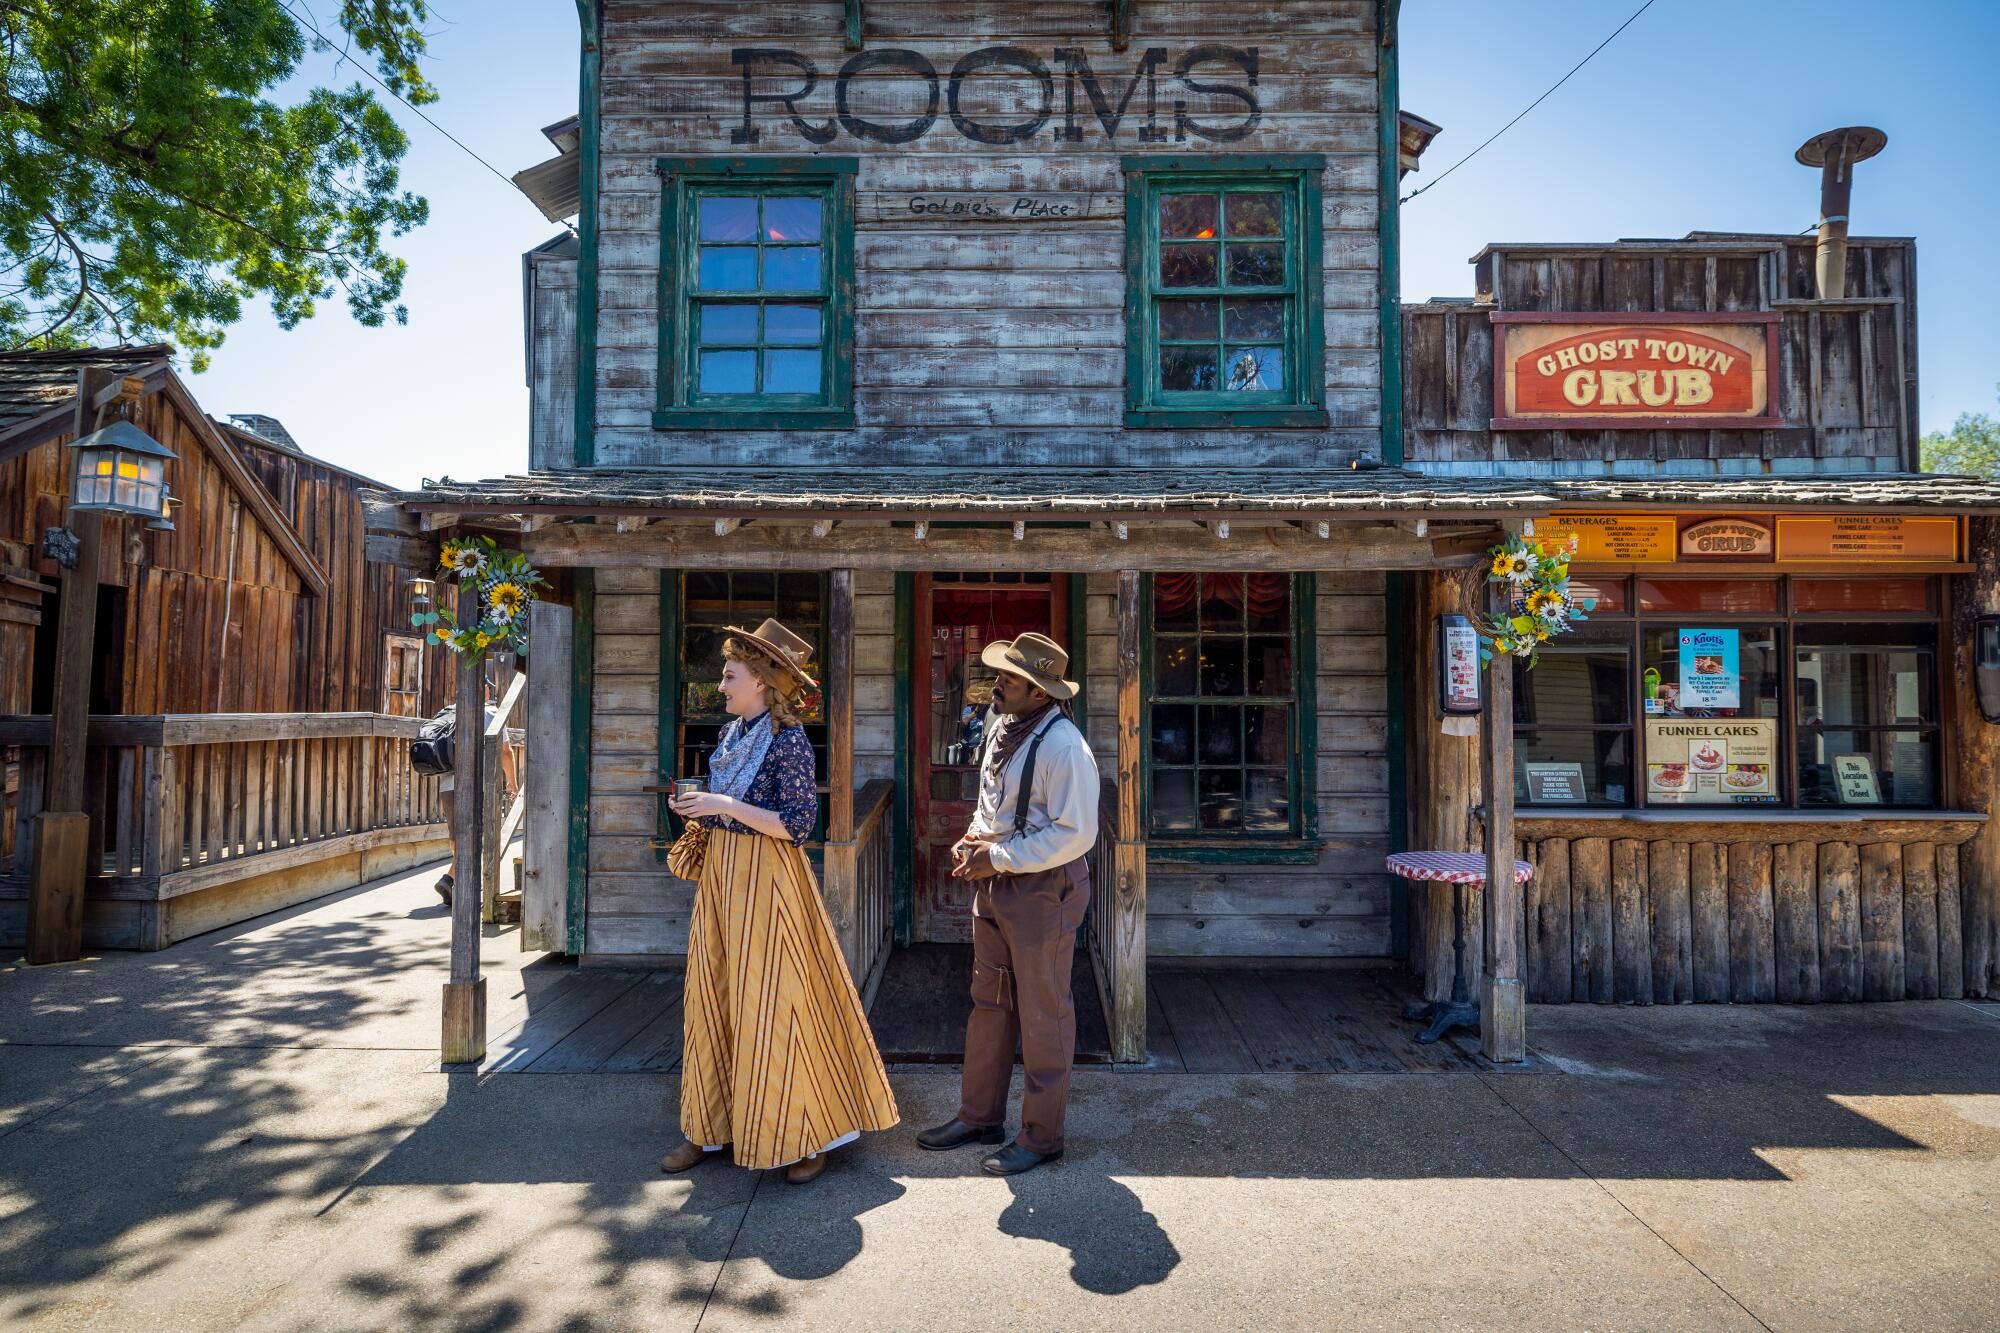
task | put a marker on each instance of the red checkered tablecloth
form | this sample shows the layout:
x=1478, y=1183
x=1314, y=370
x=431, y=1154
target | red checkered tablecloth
x=1453, y=867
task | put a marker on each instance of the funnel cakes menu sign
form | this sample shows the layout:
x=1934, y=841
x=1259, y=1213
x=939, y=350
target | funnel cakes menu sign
x=1634, y=371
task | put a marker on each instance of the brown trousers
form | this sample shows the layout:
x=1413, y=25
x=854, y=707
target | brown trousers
x=1023, y=940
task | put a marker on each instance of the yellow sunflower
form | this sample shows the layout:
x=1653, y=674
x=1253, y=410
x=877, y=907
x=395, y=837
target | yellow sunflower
x=1544, y=604
x=506, y=601
x=1501, y=564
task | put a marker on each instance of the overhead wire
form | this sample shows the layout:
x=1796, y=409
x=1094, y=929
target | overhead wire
x=1439, y=180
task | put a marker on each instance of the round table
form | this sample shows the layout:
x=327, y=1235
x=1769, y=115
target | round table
x=1460, y=870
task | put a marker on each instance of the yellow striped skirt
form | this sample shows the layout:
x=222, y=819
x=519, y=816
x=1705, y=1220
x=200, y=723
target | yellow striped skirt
x=778, y=1060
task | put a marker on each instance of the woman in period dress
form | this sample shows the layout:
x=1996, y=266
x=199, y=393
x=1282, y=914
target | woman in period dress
x=778, y=1065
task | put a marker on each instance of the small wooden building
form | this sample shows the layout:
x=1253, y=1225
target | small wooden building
x=922, y=324
x=261, y=601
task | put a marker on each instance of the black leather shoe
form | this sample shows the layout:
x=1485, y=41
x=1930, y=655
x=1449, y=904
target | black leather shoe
x=1013, y=1159
x=956, y=1134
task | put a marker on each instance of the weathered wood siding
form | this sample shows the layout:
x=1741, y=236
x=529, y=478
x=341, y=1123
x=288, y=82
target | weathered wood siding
x=1337, y=908
x=1845, y=382
x=549, y=289
x=635, y=907
x=1746, y=913
x=974, y=338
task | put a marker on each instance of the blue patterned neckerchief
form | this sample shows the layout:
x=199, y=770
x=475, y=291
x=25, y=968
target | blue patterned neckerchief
x=736, y=758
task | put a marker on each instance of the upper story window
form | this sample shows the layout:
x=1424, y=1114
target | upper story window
x=1223, y=291
x=756, y=293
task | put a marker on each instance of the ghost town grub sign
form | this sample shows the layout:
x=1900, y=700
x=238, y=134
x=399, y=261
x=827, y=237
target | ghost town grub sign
x=1206, y=93
x=1633, y=371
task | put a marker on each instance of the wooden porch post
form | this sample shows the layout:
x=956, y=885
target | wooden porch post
x=62, y=829
x=1977, y=760
x=464, y=1039
x=838, y=866
x=1503, y=1033
x=1126, y=901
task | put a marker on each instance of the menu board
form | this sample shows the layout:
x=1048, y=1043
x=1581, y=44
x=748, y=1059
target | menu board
x=1867, y=537
x=1711, y=669
x=1643, y=539
x=1719, y=762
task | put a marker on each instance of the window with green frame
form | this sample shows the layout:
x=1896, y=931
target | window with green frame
x=756, y=293
x=1229, y=730
x=699, y=606
x=1222, y=291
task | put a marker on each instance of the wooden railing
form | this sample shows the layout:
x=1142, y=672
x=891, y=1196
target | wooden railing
x=875, y=881
x=181, y=803
x=501, y=819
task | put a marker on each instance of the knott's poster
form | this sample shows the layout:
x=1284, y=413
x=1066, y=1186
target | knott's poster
x=1643, y=372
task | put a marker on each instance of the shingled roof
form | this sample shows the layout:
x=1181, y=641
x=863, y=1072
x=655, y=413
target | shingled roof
x=1141, y=492
x=33, y=384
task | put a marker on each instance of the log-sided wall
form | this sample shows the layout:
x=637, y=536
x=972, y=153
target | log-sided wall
x=984, y=338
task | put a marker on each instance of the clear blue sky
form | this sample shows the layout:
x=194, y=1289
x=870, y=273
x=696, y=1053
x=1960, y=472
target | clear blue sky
x=1688, y=121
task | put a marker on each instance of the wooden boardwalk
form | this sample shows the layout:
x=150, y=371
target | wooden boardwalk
x=1200, y=1020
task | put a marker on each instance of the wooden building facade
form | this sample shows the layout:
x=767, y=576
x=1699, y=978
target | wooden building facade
x=919, y=325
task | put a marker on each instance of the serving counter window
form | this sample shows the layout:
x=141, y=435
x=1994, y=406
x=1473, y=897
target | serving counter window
x=1775, y=692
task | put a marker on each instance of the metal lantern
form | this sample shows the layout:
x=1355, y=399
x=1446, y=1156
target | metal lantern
x=420, y=592
x=121, y=470
x=165, y=522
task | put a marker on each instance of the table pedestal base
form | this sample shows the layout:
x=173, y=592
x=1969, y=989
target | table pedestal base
x=1444, y=1015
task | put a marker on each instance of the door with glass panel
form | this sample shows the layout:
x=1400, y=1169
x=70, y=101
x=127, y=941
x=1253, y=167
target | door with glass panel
x=957, y=616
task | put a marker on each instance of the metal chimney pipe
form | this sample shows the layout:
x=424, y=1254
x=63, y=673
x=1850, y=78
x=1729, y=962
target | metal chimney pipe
x=1835, y=153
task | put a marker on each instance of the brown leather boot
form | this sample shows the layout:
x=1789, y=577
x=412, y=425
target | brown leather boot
x=805, y=1169
x=685, y=1156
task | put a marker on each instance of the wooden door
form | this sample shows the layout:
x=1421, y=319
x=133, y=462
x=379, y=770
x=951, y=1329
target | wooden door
x=957, y=616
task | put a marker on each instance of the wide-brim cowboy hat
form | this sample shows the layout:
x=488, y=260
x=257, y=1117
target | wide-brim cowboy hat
x=1034, y=657
x=784, y=649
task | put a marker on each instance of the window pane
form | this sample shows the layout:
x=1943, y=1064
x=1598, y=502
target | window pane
x=1862, y=594
x=1604, y=759
x=1173, y=733
x=1269, y=664
x=1187, y=266
x=791, y=324
x=728, y=372
x=1260, y=320
x=728, y=269
x=1222, y=601
x=792, y=268
x=1173, y=801
x=753, y=595
x=1221, y=737
x=701, y=656
x=790, y=219
x=1173, y=666
x=1255, y=369
x=728, y=219
x=1256, y=265
x=791, y=372
x=798, y=608
x=727, y=323
x=1174, y=604
x=705, y=596
x=1187, y=369
x=1867, y=767
x=1867, y=675
x=1609, y=594
x=1725, y=596
x=1268, y=602
x=1267, y=805
x=1221, y=666
x=1255, y=214
x=1187, y=321
x=1754, y=684
x=1582, y=680
x=1267, y=735
x=1185, y=215
x=1221, y=798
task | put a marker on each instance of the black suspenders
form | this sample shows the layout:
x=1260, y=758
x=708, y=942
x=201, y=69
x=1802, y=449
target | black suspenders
x=1027, y=770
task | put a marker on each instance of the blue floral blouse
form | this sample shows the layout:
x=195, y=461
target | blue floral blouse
x=784, y=784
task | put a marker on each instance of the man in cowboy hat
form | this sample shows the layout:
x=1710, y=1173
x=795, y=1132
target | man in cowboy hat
x=1037, y=817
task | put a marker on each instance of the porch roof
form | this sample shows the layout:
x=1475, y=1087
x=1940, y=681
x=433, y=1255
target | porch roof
x=1135, y=492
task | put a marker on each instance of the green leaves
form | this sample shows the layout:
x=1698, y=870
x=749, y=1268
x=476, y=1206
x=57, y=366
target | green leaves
x=506, y=583
x=149, y=187
x=1972, y=445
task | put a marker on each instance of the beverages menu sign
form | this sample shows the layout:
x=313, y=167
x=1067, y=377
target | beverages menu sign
x=1645, y=372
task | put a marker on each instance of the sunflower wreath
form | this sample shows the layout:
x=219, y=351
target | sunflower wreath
x=507, y=584
x=1540, y=604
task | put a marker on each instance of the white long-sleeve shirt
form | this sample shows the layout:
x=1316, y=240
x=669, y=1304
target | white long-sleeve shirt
x=1062, y=804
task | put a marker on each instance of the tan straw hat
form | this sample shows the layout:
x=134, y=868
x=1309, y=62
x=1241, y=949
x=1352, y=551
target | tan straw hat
x=1035, y=657
x=786, y=650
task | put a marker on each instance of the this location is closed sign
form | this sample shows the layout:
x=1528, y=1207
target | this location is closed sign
x=1642, y=371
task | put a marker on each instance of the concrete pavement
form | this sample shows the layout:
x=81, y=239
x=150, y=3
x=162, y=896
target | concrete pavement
x=245, y=1131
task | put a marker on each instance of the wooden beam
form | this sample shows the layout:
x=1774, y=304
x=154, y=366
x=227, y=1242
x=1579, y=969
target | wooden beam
x=1121, y=23
x=128, y=389
x=1976, y=766
x=840, y=867
x=1151, y=546
x=437, y=520
x=535, y=522
x=824, y=527
x=1127, y=897
x=464, y=1030
x=725, y=526
x=1502, y=1002
x=545, y=861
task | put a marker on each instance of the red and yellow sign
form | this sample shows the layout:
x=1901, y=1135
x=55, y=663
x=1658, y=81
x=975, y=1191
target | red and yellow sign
x=1642, y=372
x=1726, y=539
x=1874, y=537
x=1640, y=539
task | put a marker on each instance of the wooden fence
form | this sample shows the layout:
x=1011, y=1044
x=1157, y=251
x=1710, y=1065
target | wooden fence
x=875, y=881
x=279, y=806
